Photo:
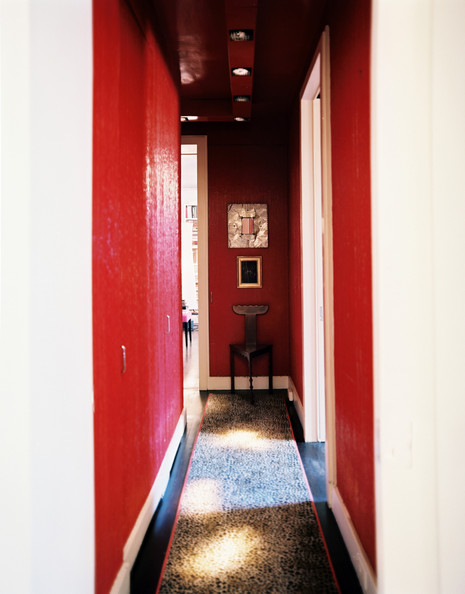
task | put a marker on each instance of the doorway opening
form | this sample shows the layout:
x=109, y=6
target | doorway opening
x=317, y=271
x=194, y=250
x=189, y=265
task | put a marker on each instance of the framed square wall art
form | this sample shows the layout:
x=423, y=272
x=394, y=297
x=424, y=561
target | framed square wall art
x=249, y=272
x=247, y=225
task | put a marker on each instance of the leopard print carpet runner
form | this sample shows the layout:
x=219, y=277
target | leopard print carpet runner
x=246, y=522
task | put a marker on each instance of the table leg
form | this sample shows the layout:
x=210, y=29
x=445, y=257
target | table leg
x=252, y=399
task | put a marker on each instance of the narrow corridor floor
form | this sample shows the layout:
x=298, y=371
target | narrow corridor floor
x=148, y=566
x=247, y=522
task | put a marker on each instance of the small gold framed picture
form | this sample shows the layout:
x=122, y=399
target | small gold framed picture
x=249, y=272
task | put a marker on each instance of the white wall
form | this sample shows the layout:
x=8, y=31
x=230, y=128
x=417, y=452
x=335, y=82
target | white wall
x=418, y=183
x=448, y=183
x=46, y=435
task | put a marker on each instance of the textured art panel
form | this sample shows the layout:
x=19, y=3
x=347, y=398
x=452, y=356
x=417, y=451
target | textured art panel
x=247, y=225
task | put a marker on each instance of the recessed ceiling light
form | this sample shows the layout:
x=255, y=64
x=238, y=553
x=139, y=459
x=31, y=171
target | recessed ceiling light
x=241, y=71
x=242, y=98
x=241, y=119
x=241, y=34
x=189, y=118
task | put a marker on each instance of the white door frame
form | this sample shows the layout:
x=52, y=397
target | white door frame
x=317, y=82
x=202, y=220
x=319, y=285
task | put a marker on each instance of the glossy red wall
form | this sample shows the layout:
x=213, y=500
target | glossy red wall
x=248, y=167
x=350, y=24
x=350, y=27
x=136, y=272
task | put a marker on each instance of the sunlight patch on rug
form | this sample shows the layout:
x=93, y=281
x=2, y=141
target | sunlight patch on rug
x=202, y=497
x=222, y=554
x=240, y=438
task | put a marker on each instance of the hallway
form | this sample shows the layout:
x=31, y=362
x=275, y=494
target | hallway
x=95, y=97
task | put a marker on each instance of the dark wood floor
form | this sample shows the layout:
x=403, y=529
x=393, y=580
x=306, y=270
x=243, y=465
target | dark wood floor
x=148, y=565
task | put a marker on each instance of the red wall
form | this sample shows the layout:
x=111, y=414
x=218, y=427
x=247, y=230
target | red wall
x=350, y=27
x=136, y=273
x=245, y=168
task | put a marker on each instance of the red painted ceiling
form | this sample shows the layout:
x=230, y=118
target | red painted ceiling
x=285, y=33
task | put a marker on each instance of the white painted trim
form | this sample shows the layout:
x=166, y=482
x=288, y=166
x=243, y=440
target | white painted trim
x=307, y=255
x=202, y=219
x=122, y=584
x=360, y=561
x=311, y=232
x=280, y=382
x=319, y=284
x=131, y=548
x=330, y=450
x=294, y=397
